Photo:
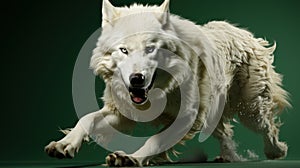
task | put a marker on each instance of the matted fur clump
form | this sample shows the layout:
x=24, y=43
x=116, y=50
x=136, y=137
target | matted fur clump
x=168, y=71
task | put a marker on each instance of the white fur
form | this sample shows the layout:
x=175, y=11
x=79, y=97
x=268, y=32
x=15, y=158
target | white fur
x=238, y=68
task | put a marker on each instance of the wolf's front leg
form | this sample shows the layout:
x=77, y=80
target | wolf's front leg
x=155, y=145
x=93, y=123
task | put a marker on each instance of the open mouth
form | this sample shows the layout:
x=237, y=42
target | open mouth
x=140, y=95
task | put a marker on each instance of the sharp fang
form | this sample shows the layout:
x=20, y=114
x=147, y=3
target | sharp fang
x=131, y=94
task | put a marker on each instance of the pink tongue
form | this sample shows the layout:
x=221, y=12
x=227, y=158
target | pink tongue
x=137, y=99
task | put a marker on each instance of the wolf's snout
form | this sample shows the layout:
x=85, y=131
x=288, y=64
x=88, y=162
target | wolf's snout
x=137, y=80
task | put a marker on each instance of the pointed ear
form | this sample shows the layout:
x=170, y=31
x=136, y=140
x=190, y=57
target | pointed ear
x=109, y=13
x=164, y=9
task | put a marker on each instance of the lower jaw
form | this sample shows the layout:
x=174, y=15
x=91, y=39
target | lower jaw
x=139, y=103
x=142, y=106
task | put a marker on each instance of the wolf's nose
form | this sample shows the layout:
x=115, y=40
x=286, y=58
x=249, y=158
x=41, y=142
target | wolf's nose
x=137, y=80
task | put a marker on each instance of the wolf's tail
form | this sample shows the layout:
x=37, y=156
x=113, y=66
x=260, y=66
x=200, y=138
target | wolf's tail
x=279, y=95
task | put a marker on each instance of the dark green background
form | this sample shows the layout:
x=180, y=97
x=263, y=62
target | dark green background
x=40, y=41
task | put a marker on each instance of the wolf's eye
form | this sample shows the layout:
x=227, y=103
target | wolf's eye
x=149, y=49
x=124, y=50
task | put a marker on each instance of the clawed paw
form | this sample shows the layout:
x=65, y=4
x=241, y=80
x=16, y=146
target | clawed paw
x=60, y=150
x=121, y=159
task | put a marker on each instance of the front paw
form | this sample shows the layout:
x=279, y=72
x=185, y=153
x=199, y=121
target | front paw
x=60, y=150
x=121, y=159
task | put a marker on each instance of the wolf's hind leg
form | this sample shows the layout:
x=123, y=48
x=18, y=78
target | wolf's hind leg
x=259, y=117
x=224, y=134
x=262, y=98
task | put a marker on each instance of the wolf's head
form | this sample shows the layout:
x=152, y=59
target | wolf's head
x=133, y=42
x=144, y=47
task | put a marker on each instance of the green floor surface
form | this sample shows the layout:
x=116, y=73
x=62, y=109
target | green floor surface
x=256, y=164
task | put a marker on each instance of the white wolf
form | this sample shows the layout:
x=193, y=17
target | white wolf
x=224, y=62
